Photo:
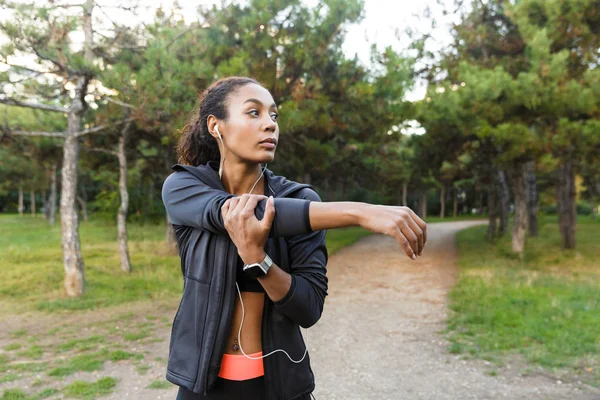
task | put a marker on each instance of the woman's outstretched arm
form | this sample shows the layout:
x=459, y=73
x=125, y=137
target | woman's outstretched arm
x=401, y=223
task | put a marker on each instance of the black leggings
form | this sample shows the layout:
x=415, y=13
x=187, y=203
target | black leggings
x=251, y=389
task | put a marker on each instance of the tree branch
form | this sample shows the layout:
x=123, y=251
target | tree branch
x=101, y=127
x=204, y=24
x=99, y=150
x=22, y=67
x=114, y=101
x=47, y=134
x=63, y=6
x=37, y=106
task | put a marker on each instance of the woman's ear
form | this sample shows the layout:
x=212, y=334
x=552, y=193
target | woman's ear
x=211, y=123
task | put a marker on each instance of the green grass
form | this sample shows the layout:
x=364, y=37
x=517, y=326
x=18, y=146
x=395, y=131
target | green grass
x=34, y=352
x=545, y=307
x=160, y=385
x=47, y=393
x=136, y=335
x=31, y=269
x=83, y=344
x=15, y=394
x=337, y=239
x=90, y=390
x=8, y=378
x=89, y=362
x=18, y=394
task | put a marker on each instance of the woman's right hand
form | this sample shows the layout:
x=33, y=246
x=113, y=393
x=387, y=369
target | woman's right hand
x=401, y=223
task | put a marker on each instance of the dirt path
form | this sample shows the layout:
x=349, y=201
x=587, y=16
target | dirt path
x=378, y=338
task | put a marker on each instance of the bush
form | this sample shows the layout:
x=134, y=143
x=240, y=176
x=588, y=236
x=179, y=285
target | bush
x=583, y=208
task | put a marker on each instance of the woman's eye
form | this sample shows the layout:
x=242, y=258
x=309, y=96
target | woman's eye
x=274, y=116
x=253, y=112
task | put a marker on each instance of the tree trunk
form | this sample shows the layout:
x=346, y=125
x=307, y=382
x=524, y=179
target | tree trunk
x=520, y=221
x=170, y=232
x=479, y=199
x=423, y=205
x=532, y=199
x=504, y=198
x=32, y=200
x=454, y=202
x=45, y=204
x=307, y=178
x=404, y=193
x=493, y=211
x=20, y=207
x=74, y=267
x=170, y=235
x=52, y=199
x=83, y=207
x=443, y=201
x=567, y=208
x=73, y=260
x=122, y=214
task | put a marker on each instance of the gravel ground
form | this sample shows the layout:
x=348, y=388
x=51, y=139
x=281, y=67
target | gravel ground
x=379, y=337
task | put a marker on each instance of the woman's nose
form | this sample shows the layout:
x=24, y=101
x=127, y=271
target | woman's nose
x=270, y=125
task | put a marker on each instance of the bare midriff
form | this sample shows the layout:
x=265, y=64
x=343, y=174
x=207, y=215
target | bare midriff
x=251, y=331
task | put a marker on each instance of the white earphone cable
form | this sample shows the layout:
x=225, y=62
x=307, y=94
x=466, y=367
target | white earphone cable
x=266, y=355
x=236, y=284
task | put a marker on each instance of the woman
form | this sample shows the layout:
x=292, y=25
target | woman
x=253, y=255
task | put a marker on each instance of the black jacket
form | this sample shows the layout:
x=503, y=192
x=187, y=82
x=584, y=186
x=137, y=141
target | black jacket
x=193, y=197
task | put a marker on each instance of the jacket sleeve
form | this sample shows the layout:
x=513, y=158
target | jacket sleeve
x=304, y=301
x=191, y=202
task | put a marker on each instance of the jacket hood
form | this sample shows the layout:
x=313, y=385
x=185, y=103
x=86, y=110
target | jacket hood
x=209, y=174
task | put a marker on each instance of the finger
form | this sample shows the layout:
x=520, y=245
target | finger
x=269, y=216
x=248, y=210
x=412, y=225
x=241, y=204
x=422, y=224
x=232, y=205
x=410, y=236
x=403, y=242
x=225, y=208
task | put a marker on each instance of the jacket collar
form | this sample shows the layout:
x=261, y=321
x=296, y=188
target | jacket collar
x=209, y=175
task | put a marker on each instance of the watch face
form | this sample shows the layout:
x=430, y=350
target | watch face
x=254, y=270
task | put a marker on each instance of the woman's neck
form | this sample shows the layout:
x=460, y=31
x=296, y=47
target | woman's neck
x=238, y=178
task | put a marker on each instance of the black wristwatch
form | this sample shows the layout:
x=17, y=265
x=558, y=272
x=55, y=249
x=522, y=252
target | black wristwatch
x=257, y=270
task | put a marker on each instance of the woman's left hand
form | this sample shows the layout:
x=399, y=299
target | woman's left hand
x=248, y=233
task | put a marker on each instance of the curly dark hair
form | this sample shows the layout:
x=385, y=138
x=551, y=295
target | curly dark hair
x=196, y=146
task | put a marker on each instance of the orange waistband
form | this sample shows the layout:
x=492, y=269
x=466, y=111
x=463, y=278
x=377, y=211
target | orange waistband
x=239, y=368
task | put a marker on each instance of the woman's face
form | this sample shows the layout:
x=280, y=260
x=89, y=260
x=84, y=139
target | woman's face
x=251, y=131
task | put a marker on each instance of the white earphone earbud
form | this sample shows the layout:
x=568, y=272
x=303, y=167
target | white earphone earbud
x=223, y=155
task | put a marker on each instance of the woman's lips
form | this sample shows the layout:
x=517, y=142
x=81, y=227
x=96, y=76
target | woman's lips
x=267, y=145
